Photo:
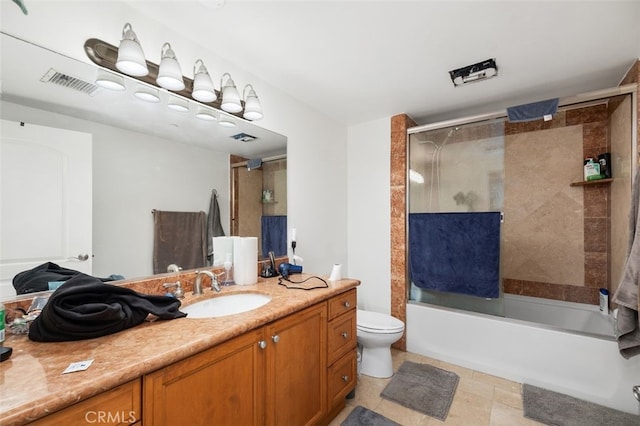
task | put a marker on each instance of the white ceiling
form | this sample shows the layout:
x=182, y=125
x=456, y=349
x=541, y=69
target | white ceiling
x=357, y=61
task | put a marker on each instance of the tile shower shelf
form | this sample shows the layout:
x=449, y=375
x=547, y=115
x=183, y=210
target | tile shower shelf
x=592, y=182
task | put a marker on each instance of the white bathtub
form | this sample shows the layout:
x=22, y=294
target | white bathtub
x=578, y=363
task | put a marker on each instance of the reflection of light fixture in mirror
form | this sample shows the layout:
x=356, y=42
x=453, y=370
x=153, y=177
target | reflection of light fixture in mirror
x=252, y=107
x=206, y=115
x=226, y=121
x=230, y=95
x=109, y=80
x=203, y=90
x=169, y=72
x=147, y=94
x=131, y=59
x=177, y=104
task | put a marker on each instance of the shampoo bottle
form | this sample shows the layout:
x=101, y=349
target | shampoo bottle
x=604, y=301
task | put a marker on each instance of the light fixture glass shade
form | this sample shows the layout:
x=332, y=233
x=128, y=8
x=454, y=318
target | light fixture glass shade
x=169, y=72
x=110, y=81
x=252, y=107
x=131, y=58
x=230, y=96
x=147, y=94
x=225, y=121
x=203, y=90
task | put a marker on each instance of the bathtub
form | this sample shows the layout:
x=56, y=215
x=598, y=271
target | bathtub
x=583, y=362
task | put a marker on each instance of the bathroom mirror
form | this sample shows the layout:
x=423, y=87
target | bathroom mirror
x=144, y=155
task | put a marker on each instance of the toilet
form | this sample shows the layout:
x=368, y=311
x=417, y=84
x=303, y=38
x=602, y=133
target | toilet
x=376, y=333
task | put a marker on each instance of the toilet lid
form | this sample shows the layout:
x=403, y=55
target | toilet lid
x=368, y=320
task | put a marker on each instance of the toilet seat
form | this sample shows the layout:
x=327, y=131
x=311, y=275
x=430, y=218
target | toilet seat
x=375, y=322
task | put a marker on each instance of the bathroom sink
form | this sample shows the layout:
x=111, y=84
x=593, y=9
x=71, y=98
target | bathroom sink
x=220, y=306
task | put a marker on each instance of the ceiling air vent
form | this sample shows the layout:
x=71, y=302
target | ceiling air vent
x=244, y=137
x=55, y=77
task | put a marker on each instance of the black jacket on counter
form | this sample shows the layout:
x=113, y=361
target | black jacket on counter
x=84, y=307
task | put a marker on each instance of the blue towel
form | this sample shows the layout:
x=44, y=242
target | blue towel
x=533, y=111
x=274, y=235
x=254, y=163
x=456, y=252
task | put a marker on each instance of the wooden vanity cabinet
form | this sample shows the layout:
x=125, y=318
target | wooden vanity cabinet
x=341, y=350
x=223, y=385
x=275, y=375
x=118, y=406
x=296, y=368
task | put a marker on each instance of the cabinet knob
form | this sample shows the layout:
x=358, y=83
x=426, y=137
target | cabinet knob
x=345, y=335
x=275, y=338
x=347, y=304
x=262, y=344
x=345, y=378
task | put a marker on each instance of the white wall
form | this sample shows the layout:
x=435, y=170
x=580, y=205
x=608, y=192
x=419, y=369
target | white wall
x=133, y=174
x=368, y=207
x=317, y=193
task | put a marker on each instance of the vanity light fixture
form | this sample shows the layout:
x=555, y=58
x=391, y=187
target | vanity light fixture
x=147, y=94
x=203, y=90
x=226, y=121
x=128, y=60
x=131, y=58
x=177, y=104
x=230, y=95
x=206, y=115
x=169, y=72
x=252, y=107
x=109, y=80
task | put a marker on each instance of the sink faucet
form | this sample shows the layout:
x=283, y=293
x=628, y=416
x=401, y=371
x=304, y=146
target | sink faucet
x=197, y=287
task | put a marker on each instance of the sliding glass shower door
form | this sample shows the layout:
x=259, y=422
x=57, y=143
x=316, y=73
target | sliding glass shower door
x=456, y=193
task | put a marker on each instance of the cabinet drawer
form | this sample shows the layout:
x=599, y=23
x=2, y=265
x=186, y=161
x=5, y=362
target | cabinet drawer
x=342, y=378
x=341, y=336
x=118, y=406
x=342, y=303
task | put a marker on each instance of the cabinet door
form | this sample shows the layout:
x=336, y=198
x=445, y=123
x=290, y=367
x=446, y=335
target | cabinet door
x=297, y=368
x=118, y=406
x=223, y=385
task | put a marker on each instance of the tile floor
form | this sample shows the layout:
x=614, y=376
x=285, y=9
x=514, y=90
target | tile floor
x=480, y=399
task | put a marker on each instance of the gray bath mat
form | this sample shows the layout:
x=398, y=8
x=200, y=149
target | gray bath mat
x=554, y=408
x=423, y=388
x=361, y=416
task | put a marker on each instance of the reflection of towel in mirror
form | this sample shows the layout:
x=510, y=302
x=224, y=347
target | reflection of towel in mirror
x=84, y=307
x=274, y=235
x=179, y=238
x=626, y=296
x=214, y=227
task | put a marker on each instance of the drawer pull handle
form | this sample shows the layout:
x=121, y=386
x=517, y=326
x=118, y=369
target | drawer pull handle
x=345, y=378
x=347, y=304
x=345, y=335
x=275, y=338
x=262, y=344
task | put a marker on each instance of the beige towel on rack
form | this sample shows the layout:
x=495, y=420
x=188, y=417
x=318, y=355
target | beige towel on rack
x=179, y=238
x=626, y=296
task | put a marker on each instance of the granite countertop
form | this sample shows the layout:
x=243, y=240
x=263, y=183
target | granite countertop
x=32, y=384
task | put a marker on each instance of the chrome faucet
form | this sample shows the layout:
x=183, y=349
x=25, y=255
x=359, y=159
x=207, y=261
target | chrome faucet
x=197, y=286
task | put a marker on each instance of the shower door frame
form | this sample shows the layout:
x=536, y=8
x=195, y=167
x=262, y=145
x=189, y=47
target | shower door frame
x=577, y=100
